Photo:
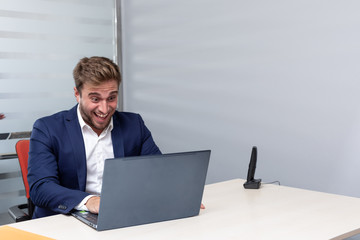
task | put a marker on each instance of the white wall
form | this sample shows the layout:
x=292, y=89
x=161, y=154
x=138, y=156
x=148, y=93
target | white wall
x=229, y=74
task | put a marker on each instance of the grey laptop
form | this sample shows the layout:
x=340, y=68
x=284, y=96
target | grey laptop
x=147, y=189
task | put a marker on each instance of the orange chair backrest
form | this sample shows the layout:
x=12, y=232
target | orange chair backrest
x=22, y=150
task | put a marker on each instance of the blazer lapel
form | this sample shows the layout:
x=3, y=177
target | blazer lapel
x=117, y=138
x=77, y=143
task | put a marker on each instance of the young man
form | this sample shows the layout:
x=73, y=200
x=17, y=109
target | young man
x=68, y=149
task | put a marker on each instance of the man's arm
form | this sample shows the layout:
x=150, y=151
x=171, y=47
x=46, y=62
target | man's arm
x=148, y=144
x=44, y=173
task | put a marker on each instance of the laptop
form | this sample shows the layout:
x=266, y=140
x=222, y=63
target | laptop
x=147, y=189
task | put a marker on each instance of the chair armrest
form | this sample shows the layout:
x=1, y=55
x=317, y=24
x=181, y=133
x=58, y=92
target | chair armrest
x=18, y=214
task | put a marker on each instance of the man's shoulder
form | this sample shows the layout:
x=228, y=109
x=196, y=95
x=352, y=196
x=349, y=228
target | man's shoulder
x=59, y=116
x=126, y=114
x=126, y=117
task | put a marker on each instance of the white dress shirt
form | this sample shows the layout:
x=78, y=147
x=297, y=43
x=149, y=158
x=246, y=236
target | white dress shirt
x=97, y=149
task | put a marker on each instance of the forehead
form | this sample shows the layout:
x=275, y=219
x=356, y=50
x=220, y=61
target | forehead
x=104, y=88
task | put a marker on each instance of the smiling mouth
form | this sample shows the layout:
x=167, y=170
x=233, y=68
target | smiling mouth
x=101, y=115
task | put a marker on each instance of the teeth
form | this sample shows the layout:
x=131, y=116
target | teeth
x=102, y=115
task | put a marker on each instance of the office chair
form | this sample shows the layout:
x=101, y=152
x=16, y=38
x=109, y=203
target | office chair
x=19, y=213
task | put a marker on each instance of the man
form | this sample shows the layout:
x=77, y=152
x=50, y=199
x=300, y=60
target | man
x=68, y=149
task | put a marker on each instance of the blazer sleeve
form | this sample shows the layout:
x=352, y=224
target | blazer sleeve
x=148, y=146
x=44, y=174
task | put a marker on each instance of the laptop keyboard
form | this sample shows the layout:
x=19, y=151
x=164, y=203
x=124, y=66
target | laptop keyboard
x=90, y=216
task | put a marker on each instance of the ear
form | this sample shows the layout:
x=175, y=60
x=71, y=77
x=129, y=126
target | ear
x=77, y=94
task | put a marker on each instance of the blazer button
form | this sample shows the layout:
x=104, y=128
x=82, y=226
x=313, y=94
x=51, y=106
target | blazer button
x=63, y=207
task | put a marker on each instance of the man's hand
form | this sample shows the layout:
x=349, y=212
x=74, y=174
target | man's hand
x=202, y=206
x=93, y=204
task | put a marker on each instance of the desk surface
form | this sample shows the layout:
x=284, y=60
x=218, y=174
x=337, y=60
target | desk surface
x=232, y=212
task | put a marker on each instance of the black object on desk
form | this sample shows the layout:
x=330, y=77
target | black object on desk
x=251, y=182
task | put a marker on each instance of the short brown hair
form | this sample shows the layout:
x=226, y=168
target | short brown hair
x=95, y=70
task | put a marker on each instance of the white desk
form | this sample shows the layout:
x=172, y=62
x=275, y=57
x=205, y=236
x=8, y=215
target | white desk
x=232, y=212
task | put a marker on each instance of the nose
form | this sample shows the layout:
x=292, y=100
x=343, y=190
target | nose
x=103, y=107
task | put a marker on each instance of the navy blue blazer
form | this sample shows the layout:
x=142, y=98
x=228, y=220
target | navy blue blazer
x=57, y=160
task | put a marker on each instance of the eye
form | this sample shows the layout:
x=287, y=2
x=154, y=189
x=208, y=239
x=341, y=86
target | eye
x=94, y=99
x=112, y=98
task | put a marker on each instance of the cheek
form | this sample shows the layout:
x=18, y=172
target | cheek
x=113, y=105
x=87, y=106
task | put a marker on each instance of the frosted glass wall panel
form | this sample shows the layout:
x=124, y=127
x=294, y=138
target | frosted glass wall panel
x=40, y=43
x=229, y=74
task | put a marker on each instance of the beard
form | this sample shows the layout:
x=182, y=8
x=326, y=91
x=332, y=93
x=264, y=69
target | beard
x=90, y=118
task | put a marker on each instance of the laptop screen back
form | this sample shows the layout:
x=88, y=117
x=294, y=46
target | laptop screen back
x=146, y=189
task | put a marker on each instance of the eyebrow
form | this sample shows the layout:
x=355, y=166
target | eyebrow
x=98, y=94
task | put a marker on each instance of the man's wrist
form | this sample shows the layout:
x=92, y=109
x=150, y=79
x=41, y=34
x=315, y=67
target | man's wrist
x=81, y=205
